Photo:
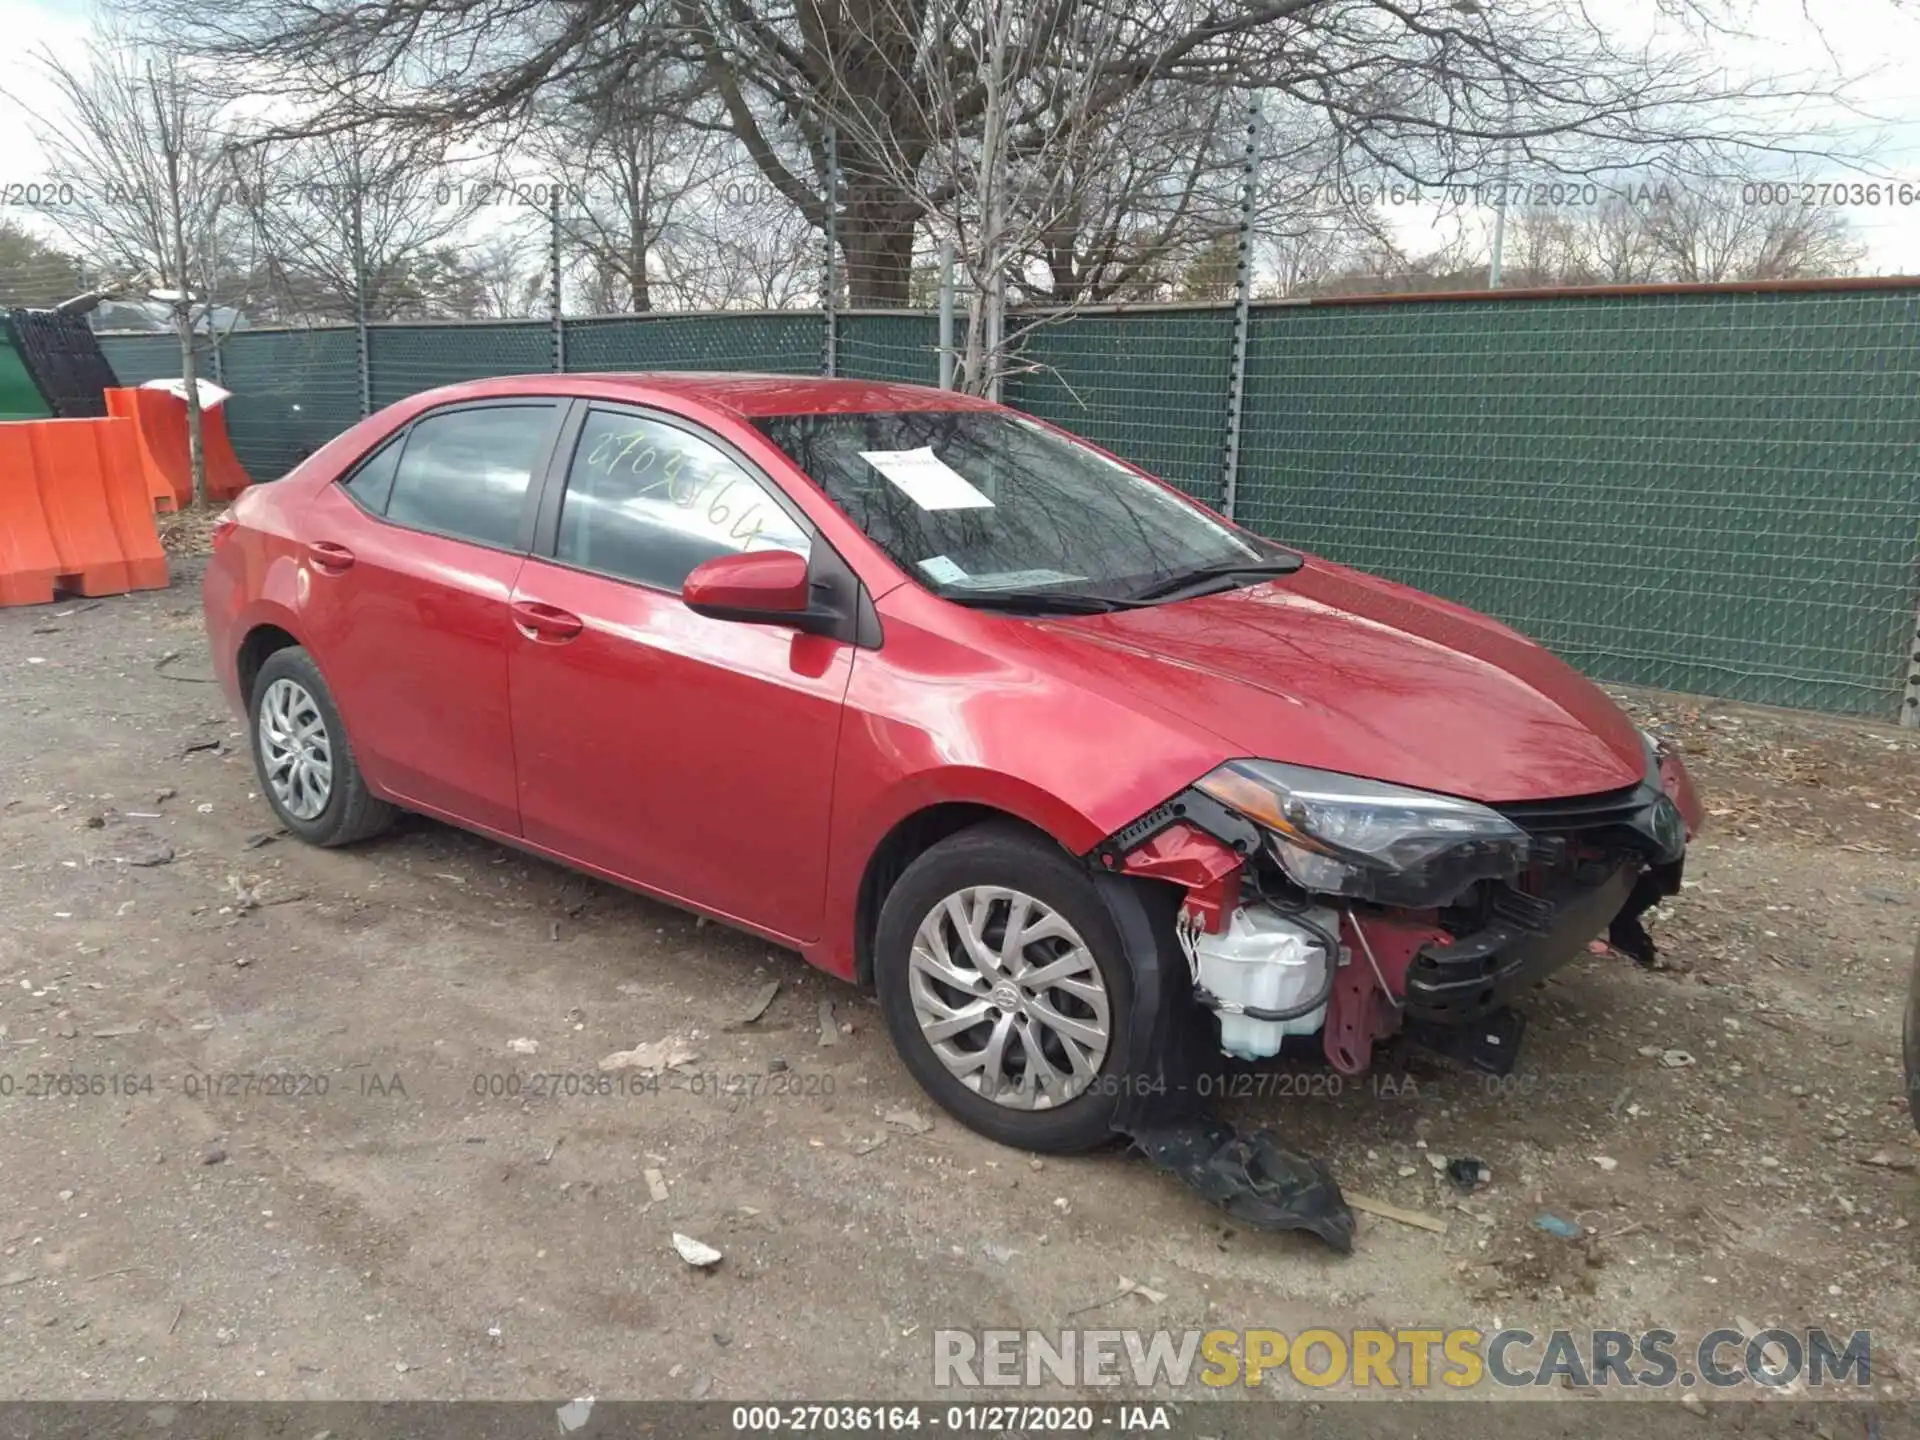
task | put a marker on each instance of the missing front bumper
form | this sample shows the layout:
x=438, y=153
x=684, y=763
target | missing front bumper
x=1480, y=973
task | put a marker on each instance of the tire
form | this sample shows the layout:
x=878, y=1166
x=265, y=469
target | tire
x=349, y=811
x=971, y=867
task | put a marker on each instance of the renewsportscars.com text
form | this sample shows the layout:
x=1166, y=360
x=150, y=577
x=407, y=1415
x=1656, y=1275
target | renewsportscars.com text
x=1403, y=1359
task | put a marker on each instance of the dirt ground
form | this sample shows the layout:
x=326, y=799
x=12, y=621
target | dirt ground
x=1726, y=1131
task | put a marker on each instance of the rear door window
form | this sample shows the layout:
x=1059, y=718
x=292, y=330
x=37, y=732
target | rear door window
x=466, y=472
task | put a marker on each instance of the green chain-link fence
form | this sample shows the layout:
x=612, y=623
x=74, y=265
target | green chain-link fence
x=1716, y=492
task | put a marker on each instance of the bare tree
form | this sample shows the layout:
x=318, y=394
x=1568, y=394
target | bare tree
x=342, y=223
x=33, y=272
x=508, y=268
x=1300, y=257
x=144, y=151
x=1709, y=234
x=742, y=248
x=1645, y=229
x=631, y=167
x=1608, y=244
x=1430, y=89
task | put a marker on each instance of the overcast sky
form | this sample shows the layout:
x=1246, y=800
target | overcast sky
x=1874, y=43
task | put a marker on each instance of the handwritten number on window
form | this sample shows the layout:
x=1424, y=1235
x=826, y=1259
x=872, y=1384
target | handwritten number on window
x=614, y=447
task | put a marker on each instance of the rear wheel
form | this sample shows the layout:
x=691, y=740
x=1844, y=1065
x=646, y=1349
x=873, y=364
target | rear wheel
x=1006, y=990
x=305, y=761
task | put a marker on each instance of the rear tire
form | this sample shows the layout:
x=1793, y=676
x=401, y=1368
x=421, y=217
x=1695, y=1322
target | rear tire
x=305, y=761
x=1062, y=996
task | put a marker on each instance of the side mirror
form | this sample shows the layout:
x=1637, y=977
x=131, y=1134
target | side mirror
x=766, y=587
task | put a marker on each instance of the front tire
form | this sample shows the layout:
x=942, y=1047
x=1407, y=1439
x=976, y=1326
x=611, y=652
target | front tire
x=1006, y=989
x=305, y=761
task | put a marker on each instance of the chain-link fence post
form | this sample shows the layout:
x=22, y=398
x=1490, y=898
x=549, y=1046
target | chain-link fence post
x=1910, y=701
x=1242, y=299
x=215, y=339
x=830, y=260
x=361, y=335
x=554, y=266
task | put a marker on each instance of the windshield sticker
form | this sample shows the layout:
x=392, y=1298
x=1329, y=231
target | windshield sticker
x=943, y=571
x=1021, y=579
x=927, y=480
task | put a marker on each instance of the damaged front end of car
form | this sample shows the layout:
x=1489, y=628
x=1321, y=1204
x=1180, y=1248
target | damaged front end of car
x=1314, y=904
x=1356, y=910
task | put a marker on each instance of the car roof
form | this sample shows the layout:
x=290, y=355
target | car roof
x=745, y=394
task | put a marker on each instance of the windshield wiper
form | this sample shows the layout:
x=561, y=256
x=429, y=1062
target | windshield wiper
x=1195, y=581
x=1040, y=602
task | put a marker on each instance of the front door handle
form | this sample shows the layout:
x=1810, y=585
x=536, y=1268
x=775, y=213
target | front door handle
x=545, y=622
x=329, y=557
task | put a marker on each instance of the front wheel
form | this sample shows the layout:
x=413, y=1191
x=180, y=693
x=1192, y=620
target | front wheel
x=1006, y=990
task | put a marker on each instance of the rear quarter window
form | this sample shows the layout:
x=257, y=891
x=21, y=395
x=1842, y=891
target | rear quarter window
x=371, y=483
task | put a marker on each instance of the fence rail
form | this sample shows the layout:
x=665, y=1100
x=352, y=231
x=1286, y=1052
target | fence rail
x=1707, y=489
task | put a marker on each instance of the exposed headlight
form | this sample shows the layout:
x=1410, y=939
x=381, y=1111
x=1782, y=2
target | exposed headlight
x=1342, y=835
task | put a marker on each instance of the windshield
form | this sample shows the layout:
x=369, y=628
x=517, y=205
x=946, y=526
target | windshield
x=976, y=501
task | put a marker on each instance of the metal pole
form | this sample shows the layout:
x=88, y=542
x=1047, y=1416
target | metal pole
x=1484, y=11
x=1242, y=299
x=994, y=356
x=830, y=262
x=360, y=333
x=1500, y=206
x=996, y=331
x=554, y=265
x=1910, y=701
x=946, y=314
x=214, y=341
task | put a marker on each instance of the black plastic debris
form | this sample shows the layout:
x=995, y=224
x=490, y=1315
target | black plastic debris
x=1250, y=1177
x=1627, y=934
x=66, y=362
x=1468, y=1173
x=1165, y=1111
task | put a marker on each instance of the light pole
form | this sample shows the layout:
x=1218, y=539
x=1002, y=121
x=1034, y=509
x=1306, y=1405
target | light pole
x=1481, y=9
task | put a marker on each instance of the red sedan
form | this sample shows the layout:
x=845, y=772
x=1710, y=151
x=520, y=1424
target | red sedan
x=1065, y=766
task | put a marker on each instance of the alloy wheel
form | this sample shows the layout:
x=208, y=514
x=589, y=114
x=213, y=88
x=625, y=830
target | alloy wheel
x=1009, y=997
x=296, y=753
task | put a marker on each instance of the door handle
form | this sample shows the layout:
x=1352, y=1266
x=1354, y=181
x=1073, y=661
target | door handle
x=329, y=557
x=545, y=622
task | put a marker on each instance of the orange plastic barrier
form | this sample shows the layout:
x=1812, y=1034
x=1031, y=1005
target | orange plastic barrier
x=74, y=511
x=160, y=418
x=28, y=561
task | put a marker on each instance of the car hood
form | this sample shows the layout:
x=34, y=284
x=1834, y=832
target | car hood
x=1334, y=669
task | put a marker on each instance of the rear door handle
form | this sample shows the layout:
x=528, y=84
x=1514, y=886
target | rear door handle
x=545, y=622
x=329, y=557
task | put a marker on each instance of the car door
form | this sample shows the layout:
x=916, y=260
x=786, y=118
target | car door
x=688, y=755
x=412, y=560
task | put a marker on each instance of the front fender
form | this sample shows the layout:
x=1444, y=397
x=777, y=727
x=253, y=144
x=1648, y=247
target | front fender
x=862, y=824
x=971, y=785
